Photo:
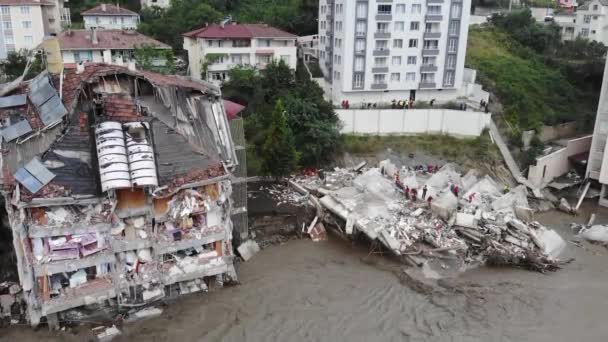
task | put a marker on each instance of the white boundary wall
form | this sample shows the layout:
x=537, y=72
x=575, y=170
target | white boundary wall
x=413, y=121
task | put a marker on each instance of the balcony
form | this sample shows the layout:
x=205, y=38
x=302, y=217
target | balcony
x=431, y=35
x=360, y=52
x=427, y=85
x=382, y=35
x=380, y=69
x=428, y=68
x=382, y=52
x=328, y=48
x=433, y=17
x=436, y=1
x=384, y=1
x=381, y=16
x=379, y=86
x=360, y=34
x=430, y=52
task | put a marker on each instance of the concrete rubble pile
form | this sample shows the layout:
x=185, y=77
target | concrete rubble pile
x=464, y=216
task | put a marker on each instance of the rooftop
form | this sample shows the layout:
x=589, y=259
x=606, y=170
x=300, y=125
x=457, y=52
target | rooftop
x=242, y=31
x=106, y=39
x=108, y=9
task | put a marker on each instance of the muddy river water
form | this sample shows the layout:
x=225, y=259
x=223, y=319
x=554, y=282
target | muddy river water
x=306, y=291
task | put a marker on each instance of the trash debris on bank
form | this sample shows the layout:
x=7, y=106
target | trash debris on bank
x=432, y=212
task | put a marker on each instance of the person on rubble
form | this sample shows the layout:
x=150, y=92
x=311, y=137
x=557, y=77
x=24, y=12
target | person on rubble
x=429, y=200
x=455, y=189
x=424, y=192
x=506, y=189
x=414, y=194
x=407, y=192
x=471, y=196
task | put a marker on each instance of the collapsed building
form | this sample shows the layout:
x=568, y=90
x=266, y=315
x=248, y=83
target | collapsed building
x=118, y=187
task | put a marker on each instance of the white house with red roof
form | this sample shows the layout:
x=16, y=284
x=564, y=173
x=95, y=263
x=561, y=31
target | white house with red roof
x=223, y=47
x=25, y=23
x=110, y=17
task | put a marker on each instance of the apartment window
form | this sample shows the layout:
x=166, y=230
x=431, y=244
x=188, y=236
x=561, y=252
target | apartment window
x=587, y=19
x=398, y=43
x=322, y=25
x=427, y=78
x=396, y=60
x=592, y=31
x=336, y=75
x=9, y=40
x=29, y=40
x=114, y=20
x=585, y=32
x=265, y=42
x=339, y=8
x=429, y=61
x=431, y=44
x=360, y=45
x=379, y=78
x=5, y=10
x=416, y=8
x=595, y=17
x=83, y=56
x=381, y=44
x=413, y=43
x=25, y=10
x=399, y=26
x=452, y=45
x=322, y=39
x=380, y=61
x=454, y=27
x=448, y=79
x=358, y=83
x=359, y=64
x=382, y=27
x=411, y=60
x=323, y=9
x=414, y=26
x=338, y=42
x=384, y=9
x=410, y=76
x=395, y=77
x=236, y=59
x=214, y=43
x=218, y=76
x=338, y=26
x=595, y=7
x=7, y=25
x=456, y=11
x=286, y=59
x=361, y=28
x=434, y=10
x=451, y=62
x=362, y=10
x=27, y=24
x=400, y=8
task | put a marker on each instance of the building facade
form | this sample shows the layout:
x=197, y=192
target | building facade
x=156, y=3
x=218, y=48
x=110, y=17
x=592, y=21
x=597, y=164
x=115, y=47
x=25, y=23
x=380, y=50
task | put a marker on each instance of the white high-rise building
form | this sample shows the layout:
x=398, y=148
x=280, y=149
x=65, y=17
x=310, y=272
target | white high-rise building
x=383, y=50
x=597, y=163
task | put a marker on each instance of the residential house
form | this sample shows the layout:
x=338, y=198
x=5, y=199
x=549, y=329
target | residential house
x=309, y=45
x=569, y=5
x=25, y=23
x=156, y=3
x=117, y=186
x=592, y=21
x=379, y=51
x=110, y=17
x=107, y=46
x=227, y=45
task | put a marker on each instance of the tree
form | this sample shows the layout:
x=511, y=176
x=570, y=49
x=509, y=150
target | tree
x=277, y=79
x=146, y=54
x=278, y=153
x=14, y=65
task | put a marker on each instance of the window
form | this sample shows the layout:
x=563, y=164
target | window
x=416, y=8
x=9, y=40
x=381, y=44
x=338, y=26
x=396, y=60
x=398, y=43
x=362, y=10
x=431, y=44
x=379, y=79
x=361, y=28
x=7, y=25
x=454, y=27
x=218, y=76
x=592, y=31
x=380, y=61
x=429, y=61
x=399, y=26
x=5, y=10
x=236, y=59
x=382, y=27
x=358, y=82
x=27, y=24
x=322, y=39
x=395, y=77
x=29, y=40
x=434, y=10
x=410, y=76
x=359, y=64
x=595, y=7
x=83, y=56
x=265, y=42
x=452, y=45
x=427, y=78
x=411, y=60
x=25, y=10
x=413, y=43
x=114, y=20
x=456, y=11
x=360, y=45
x=338, y=43
x=336, y=75
x=384, y=9
x=414, y=26
x=448, y=79
x=451, y=62
x=400, y=8
x=587, y=19
x=286, y=59
x=585, y=32
x=595, y=17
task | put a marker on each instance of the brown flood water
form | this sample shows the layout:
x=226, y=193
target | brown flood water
x=305, y=291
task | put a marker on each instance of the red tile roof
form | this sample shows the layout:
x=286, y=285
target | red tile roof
x=121, y=107
x=110, y=10
x=232, y=109
x=107, y=39
x=239, y=31
x=26, y=2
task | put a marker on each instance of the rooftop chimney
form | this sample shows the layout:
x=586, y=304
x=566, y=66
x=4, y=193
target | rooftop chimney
x=227, y=20
x=79, y=67
x=131, y=65
x=103, y=7
x=94, y=39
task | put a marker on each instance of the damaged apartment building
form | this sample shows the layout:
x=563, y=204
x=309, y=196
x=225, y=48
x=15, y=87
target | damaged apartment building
x=118, y=188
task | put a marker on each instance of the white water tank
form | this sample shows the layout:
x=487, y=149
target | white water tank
x=112, y=156
x=140, y=154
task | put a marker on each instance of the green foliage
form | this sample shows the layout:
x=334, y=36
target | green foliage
x=278, y=153
x=522, y=26
x=210, y=59
x=535, y=150
x=14, y=65
x=145, y=55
